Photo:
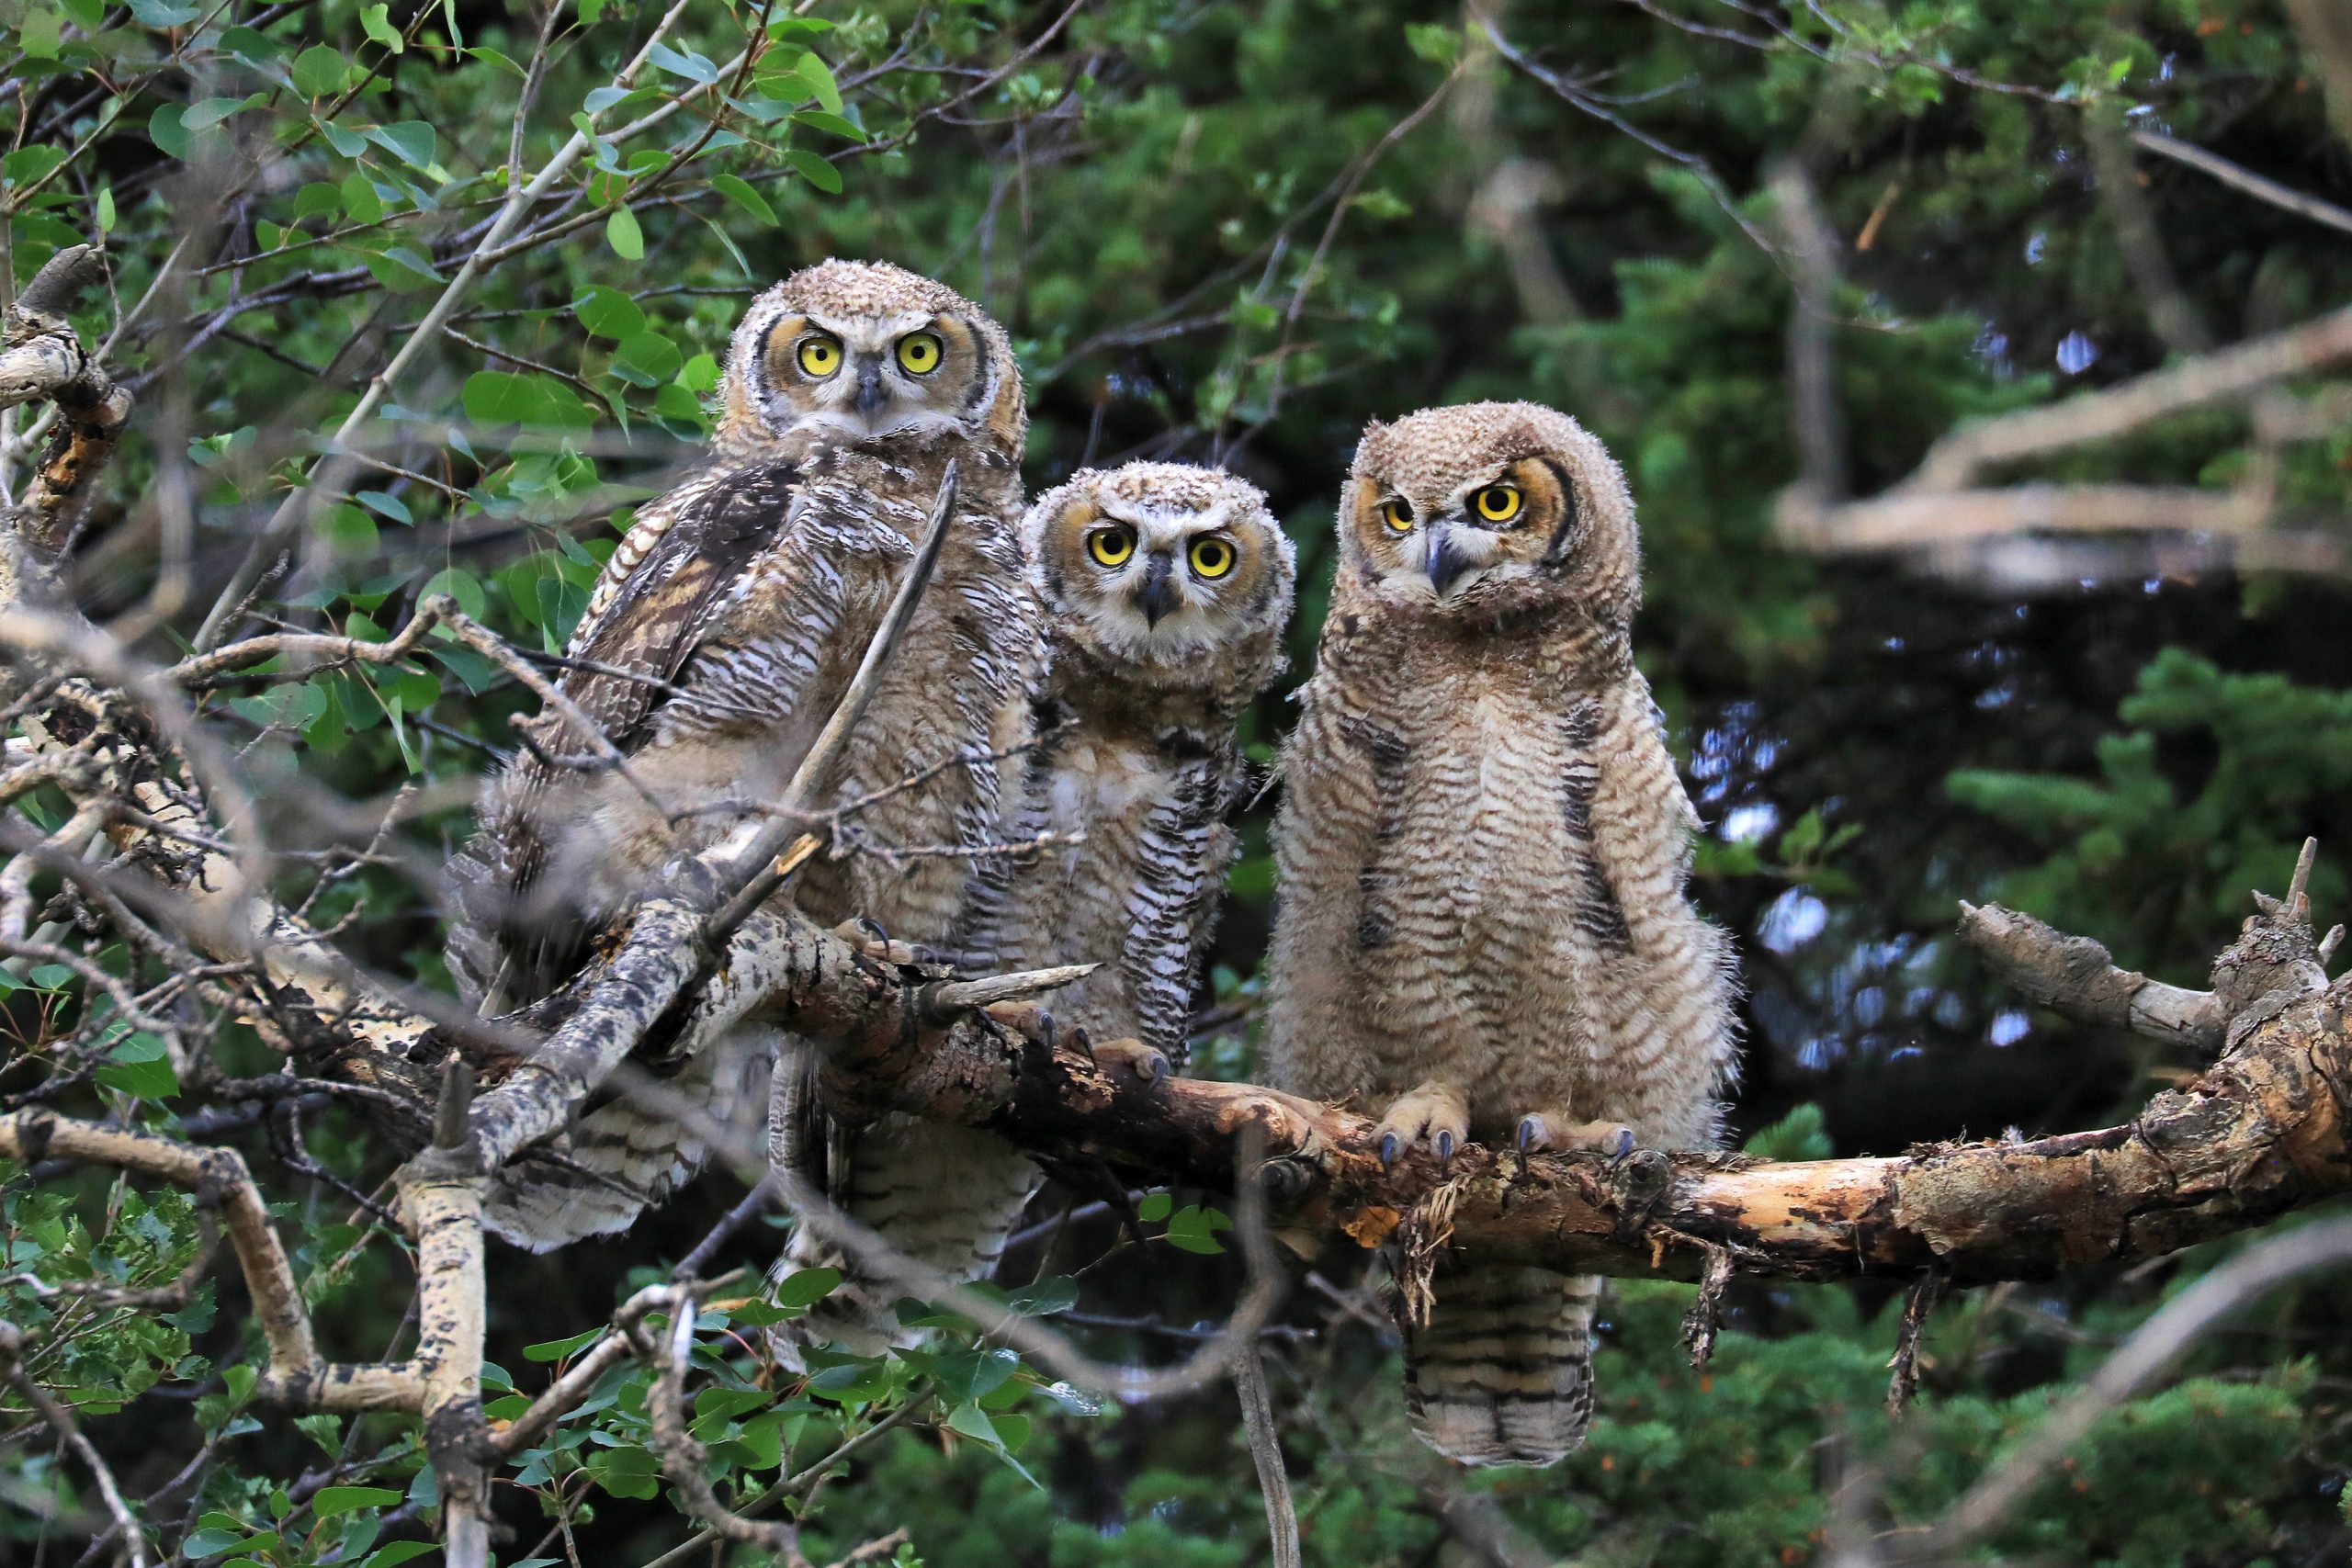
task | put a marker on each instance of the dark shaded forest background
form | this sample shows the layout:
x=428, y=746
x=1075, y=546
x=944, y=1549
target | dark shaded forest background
x=1232, y=234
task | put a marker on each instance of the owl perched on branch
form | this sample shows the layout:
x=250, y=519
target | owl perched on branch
x=1165, y=589
x=714, y=647
x=1483, y=932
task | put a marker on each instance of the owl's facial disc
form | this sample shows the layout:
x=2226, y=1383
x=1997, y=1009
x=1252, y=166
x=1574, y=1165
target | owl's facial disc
x=1457, y=547
x=1154, y=580
x=873, y=376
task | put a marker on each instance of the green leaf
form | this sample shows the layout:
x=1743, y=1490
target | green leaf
x=806, y=1287
x=411, y=140
x=1193, y=1229
x=166, y=130
x=739, y=192
x=557, y=1349
x=376, y=26
x=685, y=63
x=384, y=504
x=348, y=532
x=701, y=373
x=399, y=1551
x=604, y=98
x=26, y=165
x=819, y=119
x=1155, y=1207
x=974, y=1373
x=40, y=34
x=318, y=199
x=401, y=269
x=344, y=139
x=211, y=1542
x=333, y=1500
x=853, y=1383
x=161, y=14
x=651, y=354
x=458, y=584
x=106, y=214
x=625, y=1473
x=360, y=198
x=608, y=313
x=973, y=1423
x=1434, y=42
x=821, y=85
x=319, y=71
x=815, y=170
x=140, y=1066
x=206, y=113
x=621, y=232
x=500, y=397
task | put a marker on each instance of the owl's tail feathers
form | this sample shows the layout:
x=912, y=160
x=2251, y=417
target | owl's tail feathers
x=1502, y=1372
x=945, y=1196
x=623, y=1157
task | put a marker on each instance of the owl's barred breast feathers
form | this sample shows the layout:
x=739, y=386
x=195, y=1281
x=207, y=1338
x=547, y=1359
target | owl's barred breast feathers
x=1482, y=850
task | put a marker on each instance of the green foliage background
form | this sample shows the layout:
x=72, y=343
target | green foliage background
x=1229, y=233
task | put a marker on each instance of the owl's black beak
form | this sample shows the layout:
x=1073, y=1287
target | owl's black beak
x=1445, y=562
x=869, y=386
x=1158, y=596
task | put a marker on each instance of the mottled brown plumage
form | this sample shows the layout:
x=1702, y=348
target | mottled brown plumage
x=1165, y=590
x=1482, y=930
x=753, y=589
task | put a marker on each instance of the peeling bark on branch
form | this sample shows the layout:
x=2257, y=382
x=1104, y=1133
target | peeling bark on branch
x=42, y=359
x=2262, y=1133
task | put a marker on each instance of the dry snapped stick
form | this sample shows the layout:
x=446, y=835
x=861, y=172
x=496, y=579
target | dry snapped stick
x=1266, y=1454
x=760, y=858
x=2077, y=976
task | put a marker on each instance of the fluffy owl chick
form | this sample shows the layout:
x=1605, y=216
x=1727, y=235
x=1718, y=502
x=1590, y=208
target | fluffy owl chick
x=717, y=642
x=1165, y=590
x=1482, y=846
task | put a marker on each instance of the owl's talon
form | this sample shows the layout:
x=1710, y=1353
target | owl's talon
x=1444, y=1149
x=1387, y=1150
x=1624, y=1146
x=1081, y=1041
x=1045, y=1030
x=1530, y=1132
x=1147, y=1062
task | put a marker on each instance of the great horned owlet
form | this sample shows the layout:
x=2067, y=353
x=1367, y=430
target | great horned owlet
x=1482, y=930
x=1165, y=590
x=718, y=639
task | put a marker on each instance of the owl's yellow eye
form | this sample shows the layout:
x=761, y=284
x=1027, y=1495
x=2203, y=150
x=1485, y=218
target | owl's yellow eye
x=1397, y=513
x=1110, y=546
x=1500, y=503
x=919, y=353
x=1211, y=558
x=819, y=356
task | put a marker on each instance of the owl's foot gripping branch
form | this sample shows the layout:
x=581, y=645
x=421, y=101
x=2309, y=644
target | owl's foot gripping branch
x=2262, y=1132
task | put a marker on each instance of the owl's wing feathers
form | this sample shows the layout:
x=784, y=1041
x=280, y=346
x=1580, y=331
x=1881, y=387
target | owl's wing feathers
x=671, y=577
